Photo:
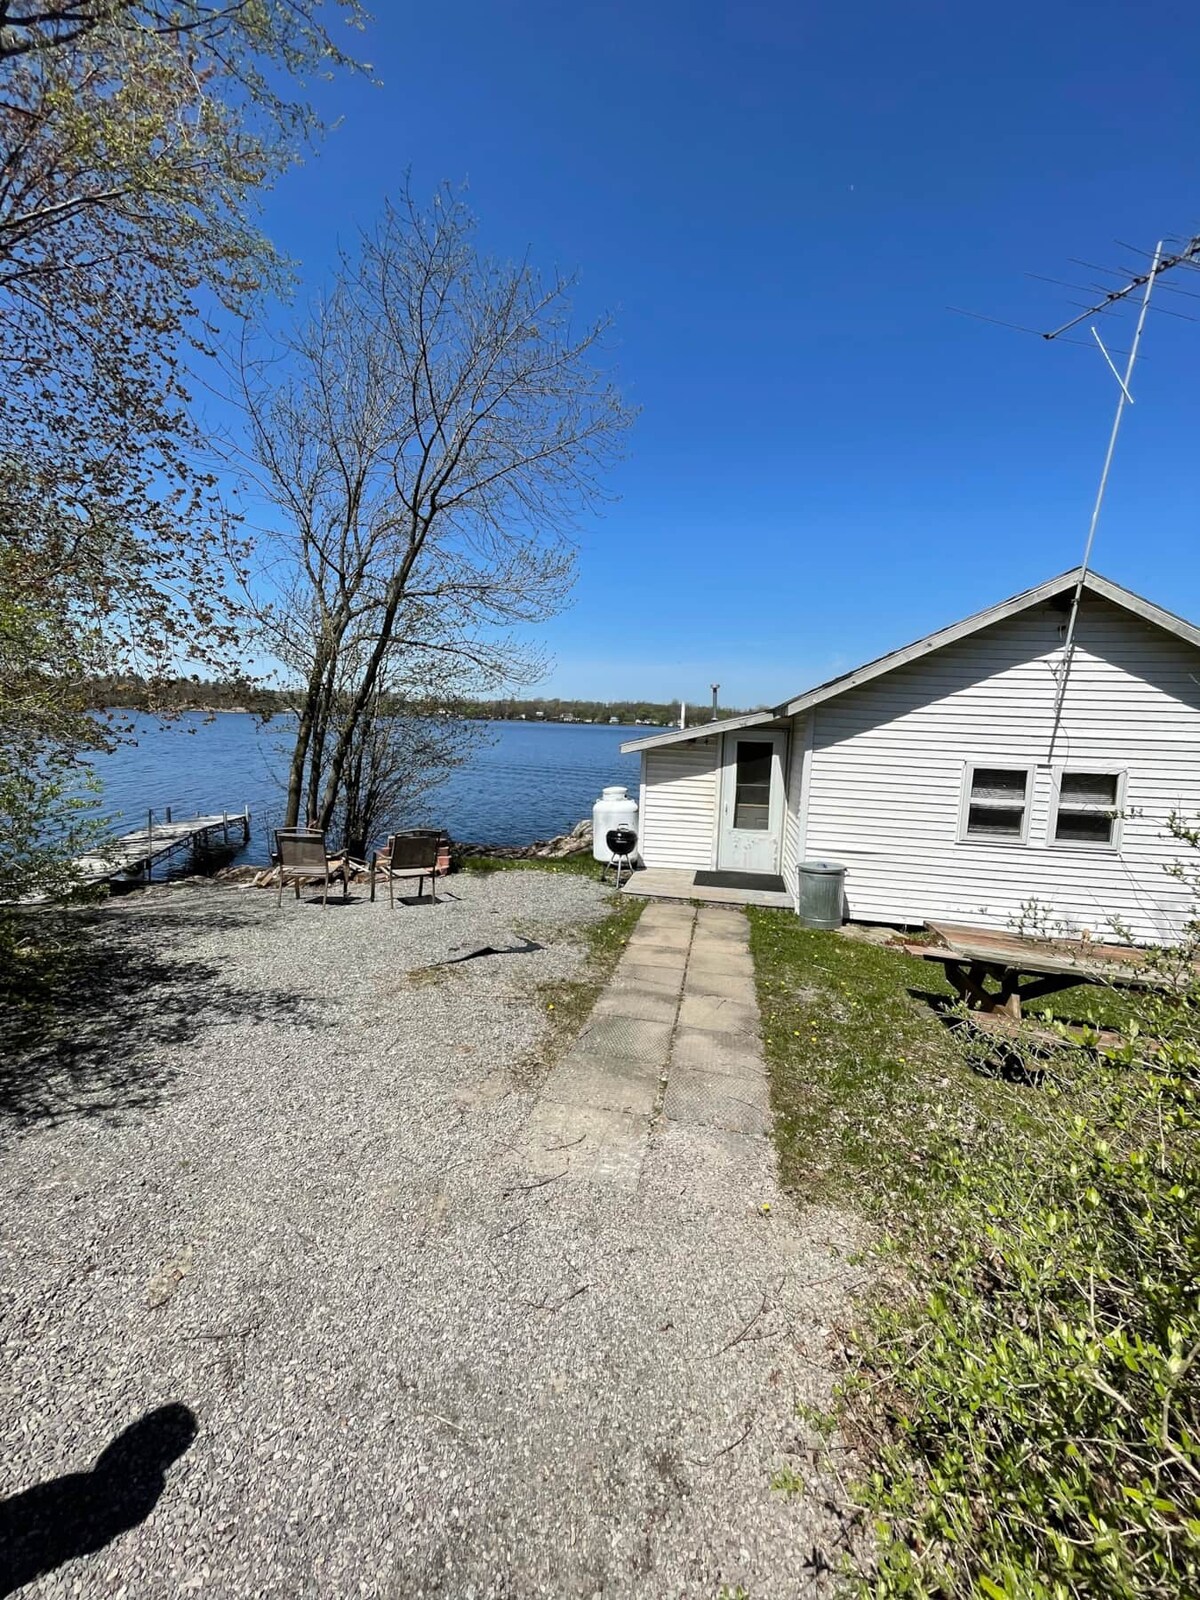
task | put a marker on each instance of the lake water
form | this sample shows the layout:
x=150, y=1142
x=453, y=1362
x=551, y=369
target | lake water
x=524, y=781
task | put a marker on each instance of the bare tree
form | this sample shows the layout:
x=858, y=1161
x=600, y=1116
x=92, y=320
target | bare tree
x=429, y=434
x=401, y=753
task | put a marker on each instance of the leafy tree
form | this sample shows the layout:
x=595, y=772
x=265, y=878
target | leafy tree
x=134, y=136
x=44, y=682
x=134, y=139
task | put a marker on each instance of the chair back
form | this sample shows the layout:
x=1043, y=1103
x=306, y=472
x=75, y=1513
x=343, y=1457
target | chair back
x=302, y=849
x=410, y=851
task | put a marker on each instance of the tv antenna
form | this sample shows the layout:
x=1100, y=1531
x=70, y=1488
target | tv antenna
x=1145, y=281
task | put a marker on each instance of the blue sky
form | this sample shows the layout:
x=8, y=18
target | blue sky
x=779, y=203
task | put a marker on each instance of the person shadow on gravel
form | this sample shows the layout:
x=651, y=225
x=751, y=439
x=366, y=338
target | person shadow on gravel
x=79, y=1513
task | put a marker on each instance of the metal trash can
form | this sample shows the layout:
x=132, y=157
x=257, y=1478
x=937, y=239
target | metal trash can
x=822, y=890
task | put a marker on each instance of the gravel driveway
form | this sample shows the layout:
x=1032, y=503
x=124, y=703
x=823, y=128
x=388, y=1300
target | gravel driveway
x=270, y=1178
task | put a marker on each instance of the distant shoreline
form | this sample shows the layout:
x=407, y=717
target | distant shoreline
x=233, y=699
x=270, y=713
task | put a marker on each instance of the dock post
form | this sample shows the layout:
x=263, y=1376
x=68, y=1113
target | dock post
x=246, y=826
x=225, y=826
x=168, y=814
x=149, y=843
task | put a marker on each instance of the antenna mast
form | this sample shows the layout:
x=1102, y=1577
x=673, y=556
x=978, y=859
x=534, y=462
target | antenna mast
x=1123, y=399
x=1188, y=256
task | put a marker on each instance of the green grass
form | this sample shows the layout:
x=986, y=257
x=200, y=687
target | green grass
x=582, y=865
x=863, y=1070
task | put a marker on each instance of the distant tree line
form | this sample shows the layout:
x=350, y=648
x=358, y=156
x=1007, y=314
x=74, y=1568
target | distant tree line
x=134, y=693
x=624, y=711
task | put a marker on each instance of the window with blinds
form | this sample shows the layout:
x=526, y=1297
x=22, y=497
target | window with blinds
x=997, y=803
x=1088, y=806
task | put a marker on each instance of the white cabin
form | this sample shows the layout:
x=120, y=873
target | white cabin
x=974, y=776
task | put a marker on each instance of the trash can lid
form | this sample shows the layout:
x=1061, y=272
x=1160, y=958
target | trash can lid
x=822, y=866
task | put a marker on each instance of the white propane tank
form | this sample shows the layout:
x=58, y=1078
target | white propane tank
x=614, y=809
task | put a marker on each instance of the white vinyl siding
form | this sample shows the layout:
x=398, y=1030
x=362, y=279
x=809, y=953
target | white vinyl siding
x=679, y=804
x=890, y=760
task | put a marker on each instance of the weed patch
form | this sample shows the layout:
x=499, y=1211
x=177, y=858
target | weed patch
x=1027, y=1402
x=582, y=865
x=567, y=1005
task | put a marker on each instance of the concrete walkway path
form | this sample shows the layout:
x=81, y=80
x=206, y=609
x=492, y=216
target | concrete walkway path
x=690, y=1306
x=674, y=1040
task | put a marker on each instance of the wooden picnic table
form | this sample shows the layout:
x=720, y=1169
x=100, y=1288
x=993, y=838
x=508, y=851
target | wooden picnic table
x=1028, y=969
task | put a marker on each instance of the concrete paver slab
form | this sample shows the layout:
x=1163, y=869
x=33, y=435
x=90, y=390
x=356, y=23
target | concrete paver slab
x=714, y=981
x=721, y=936
x=633, y=1000
x=671, y=935
x=710, y=919
x=732, y=960
x=720, y=949
x=608, y=1083
x=631, y=974
x=655, y=955
x=718, y=1013
x=716, y=1100
x=627, y=1036
x=731, y=1053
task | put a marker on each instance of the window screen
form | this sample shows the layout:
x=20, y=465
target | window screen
x=997, y=801
x=1087, y=808
x=752, y=785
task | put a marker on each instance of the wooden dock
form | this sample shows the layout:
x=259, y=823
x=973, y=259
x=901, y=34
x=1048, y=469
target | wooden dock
x=134, y=854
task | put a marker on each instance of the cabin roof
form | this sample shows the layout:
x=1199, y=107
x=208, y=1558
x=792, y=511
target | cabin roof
x=1052, y=589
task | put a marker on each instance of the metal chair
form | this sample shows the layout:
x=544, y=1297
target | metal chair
x=408, y=855
x=302, y=857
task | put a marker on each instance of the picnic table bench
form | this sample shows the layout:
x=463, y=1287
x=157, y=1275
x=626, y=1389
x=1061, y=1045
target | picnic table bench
x=1028, y=969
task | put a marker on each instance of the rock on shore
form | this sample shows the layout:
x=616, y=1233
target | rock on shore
x=566, y=844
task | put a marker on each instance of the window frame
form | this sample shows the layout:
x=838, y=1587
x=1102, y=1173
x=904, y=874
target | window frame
x=970, y=768
x=1112, y=845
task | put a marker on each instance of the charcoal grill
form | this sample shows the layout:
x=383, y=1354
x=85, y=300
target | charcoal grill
x=621, y=842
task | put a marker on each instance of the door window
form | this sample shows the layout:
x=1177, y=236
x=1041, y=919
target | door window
x=752, y=785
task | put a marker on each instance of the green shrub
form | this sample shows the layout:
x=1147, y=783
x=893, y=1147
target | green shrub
x=1037, y=1390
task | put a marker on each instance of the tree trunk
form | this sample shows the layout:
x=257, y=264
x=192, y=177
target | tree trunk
x=367, y=686
x=304, y=731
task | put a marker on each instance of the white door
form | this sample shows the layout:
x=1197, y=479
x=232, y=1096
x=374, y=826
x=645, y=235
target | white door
x=752, y=802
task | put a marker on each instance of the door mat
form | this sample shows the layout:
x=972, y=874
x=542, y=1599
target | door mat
x=740, y=880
